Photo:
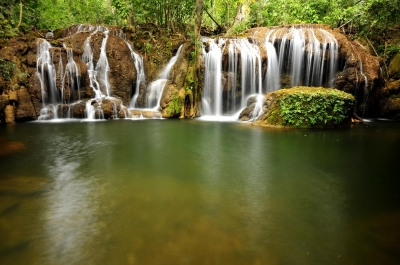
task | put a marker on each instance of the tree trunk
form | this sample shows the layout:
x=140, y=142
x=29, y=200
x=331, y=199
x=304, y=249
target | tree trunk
x=197, y=62
x=199, y=18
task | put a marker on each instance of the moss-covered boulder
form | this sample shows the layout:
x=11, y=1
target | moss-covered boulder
x=394, y=67
x=306, y=107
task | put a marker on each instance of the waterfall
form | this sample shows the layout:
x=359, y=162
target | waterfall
x=213, y=77
x=49, y=76
x=61, y=85
x=243, y=75
x=46, y=73
x=273, y=75
x=140, y=75
x=156, y=88
x=102, y=68
x=98, y=74
x=70, y=77
x=294, y=56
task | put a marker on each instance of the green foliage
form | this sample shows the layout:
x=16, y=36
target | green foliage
x=241, y=26
x=7, y=27
x=379, y=15
x=282, y=12
x=175, y=105
x=387, y=52
x=309, y=107
x=148, y=47
x=7, y=69
x=54, y=14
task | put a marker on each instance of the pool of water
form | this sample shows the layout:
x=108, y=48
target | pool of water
x=198, y=192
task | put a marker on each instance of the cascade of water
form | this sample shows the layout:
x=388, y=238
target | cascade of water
x=218, y=101
x=140, y=74
x=315, y=54
x=102, y=68
x=366, y=89
x=156, y=87
x=273, y=75
x=232, y=78
x=307, y=56
x=309, y=60
x=49, y=76
x=212, y=77
x=115, y=112
x=297, y=44
x=46, y=73
x=251, y=77
x=98, y=75
x=70, y=77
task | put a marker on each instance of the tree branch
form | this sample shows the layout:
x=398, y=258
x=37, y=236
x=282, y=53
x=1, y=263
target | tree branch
x=20, y=14
x=220, y=28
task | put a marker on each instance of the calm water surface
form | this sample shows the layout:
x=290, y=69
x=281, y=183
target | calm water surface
x=193, y=192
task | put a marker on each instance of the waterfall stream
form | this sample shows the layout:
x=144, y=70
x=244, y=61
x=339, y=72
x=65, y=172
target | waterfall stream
x=234, y=69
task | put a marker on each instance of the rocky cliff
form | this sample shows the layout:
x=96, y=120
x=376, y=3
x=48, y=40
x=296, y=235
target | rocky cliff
x=101, y=70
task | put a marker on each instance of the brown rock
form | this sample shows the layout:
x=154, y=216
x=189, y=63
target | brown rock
x=9, y=113
x=394, y=67
x=390, y=107
x=25, y=109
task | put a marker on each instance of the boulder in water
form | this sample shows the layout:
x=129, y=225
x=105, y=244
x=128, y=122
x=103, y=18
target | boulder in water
x=306, y=107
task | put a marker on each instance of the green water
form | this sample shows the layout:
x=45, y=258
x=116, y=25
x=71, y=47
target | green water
x=193, y=192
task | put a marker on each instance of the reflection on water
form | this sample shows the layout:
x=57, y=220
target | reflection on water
x=190, y=192
x=71, y=209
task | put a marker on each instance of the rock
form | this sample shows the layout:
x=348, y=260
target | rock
x=78, y=110
x=122, y=76
x=3, y=102
x=394, y=67
x=391, y=88
x=13, y=96
x=390, y=107
x=25, y=109
x=9, y=113
x=306, y=107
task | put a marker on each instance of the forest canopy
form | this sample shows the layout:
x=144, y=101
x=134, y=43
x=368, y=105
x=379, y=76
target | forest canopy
x=366, y=16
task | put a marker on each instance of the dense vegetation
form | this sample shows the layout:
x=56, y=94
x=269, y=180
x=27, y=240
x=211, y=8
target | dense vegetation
x=367, y=16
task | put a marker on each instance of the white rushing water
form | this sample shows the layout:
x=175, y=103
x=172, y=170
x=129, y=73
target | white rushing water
x=55, y=80
x=156, y=88
x=233, y=67
x=47, y=73
x=225, y=96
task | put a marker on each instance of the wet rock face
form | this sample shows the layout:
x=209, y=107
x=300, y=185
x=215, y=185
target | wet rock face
x=64, y=77
x=390, y=101
x=357, y=73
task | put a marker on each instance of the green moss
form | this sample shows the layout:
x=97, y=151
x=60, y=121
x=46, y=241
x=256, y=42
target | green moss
x=175, y=105
x=7, y=69
x=305, y=107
